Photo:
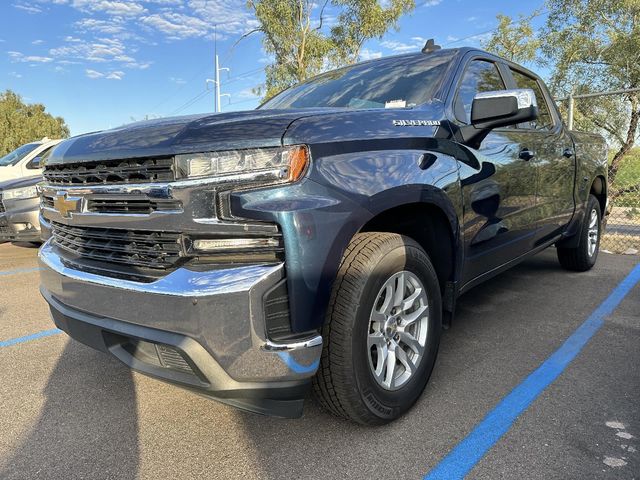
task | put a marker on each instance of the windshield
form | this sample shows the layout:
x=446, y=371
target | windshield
x=398, y=82
x=18, y=154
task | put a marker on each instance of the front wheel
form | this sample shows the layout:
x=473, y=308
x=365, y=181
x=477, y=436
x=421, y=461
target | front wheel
x=382, y=330
x=583, y=257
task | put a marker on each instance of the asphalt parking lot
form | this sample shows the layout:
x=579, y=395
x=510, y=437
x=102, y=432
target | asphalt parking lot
x=69, y=412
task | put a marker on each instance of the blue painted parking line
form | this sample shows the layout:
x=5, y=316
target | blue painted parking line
x=20, y=270
x=459, y=462
x=28, y=338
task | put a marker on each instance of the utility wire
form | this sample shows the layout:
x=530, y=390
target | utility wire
x=190, y=102
x=448, y=44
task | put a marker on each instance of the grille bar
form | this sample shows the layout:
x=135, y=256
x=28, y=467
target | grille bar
x=157, y=250
x=111, y=172
x=2, y=209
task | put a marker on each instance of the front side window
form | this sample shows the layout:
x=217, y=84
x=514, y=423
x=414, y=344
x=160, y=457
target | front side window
x=544, y=120
x=18, y=154
x=387, y=83
x=479, y=76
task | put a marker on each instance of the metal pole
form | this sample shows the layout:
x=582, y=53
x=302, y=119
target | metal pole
x=570, y=114
x=217, y=86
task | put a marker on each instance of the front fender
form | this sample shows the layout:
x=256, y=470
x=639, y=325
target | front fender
x=341, y=193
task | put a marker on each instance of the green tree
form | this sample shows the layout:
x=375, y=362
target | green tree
x=515, y=41
x=22, y=123
x=594, y=45
x=588, y=46
x=295, y=33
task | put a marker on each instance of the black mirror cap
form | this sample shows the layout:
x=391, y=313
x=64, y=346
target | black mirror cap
x=502, y=108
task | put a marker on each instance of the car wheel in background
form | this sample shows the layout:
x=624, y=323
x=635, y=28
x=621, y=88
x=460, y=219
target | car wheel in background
x=583, y=257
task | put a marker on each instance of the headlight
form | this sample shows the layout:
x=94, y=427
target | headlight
x=20, y=193
x=280, y=164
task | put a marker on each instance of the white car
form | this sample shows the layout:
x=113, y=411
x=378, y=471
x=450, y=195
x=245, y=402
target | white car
x=26, y=161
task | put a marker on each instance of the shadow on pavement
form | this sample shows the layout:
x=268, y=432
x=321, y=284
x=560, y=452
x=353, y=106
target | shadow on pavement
x=327, y=445
x=88, y=424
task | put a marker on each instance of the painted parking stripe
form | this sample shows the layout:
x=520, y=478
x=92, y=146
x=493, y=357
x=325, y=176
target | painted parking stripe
x=474, y=446
x=28, y=338
x=20, y=270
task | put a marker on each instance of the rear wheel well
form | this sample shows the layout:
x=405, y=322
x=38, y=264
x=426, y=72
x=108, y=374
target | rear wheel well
x=428, y=225
x=599, y=190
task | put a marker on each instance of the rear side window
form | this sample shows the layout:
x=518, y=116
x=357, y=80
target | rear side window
x=479, y=76
x=544, y=120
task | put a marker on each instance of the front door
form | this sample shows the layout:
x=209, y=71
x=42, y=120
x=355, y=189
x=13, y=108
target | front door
x=499, y=192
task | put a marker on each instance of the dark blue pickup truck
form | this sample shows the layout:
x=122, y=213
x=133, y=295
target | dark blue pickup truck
x=320, y=240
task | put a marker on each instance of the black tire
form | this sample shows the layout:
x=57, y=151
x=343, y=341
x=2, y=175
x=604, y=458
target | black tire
x=345, y=384
x=579, y=259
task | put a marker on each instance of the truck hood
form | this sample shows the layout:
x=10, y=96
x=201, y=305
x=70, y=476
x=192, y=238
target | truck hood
x=170, y=136
x=249, y=129
x=20, y=182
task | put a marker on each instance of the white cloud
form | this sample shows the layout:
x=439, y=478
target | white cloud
x=177, y=80
x=93, y=73
x=432, y=3
x=20, y=57
x=415, y=44
x=29, y=8
x=176, y=25
x=37, y=42
x=118, y=75
x=15, y=74
x=366, y=54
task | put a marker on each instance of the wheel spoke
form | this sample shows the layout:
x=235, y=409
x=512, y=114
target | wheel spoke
x=378, y=317
x=404, y=360
x=411, y=299
x=390, y=368
x=399, y=291
x=413, y=316
x=388, y=299
x=383, y=352
x=411, y=342
x=376, y=339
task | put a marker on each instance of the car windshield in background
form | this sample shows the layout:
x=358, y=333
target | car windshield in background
x=17, y=155
x=392, y=83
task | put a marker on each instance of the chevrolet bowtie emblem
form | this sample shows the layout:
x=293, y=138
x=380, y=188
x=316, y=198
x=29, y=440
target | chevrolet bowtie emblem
x=65, y=204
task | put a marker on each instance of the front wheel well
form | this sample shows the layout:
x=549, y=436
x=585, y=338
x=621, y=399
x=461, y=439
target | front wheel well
x=428, y=225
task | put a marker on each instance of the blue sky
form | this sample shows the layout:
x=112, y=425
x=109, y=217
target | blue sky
x=104, y=63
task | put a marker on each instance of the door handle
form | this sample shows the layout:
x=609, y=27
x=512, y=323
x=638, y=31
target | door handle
x=568, y=153
x=526, y=154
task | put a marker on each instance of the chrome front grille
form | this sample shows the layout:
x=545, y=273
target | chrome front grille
x=2, y=210
x=4, y=227
x=131, y=205
x=152, y=250
x=111, y=172
x=123, y=204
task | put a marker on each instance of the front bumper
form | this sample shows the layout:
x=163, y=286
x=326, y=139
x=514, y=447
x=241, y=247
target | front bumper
x=21, y=223
x=202, y=330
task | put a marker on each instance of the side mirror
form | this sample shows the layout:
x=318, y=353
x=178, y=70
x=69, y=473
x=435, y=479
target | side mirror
x=491, y=110
x=501, y=108
x=34, y=164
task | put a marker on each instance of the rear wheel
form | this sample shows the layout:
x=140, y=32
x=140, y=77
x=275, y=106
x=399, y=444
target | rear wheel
x=583, y=257
x=382, y=330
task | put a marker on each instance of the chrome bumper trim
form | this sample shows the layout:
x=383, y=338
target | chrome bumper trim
x=179, y=283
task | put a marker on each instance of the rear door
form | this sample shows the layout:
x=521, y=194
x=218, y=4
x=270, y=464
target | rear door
x=499, y=191
x=554, y=160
